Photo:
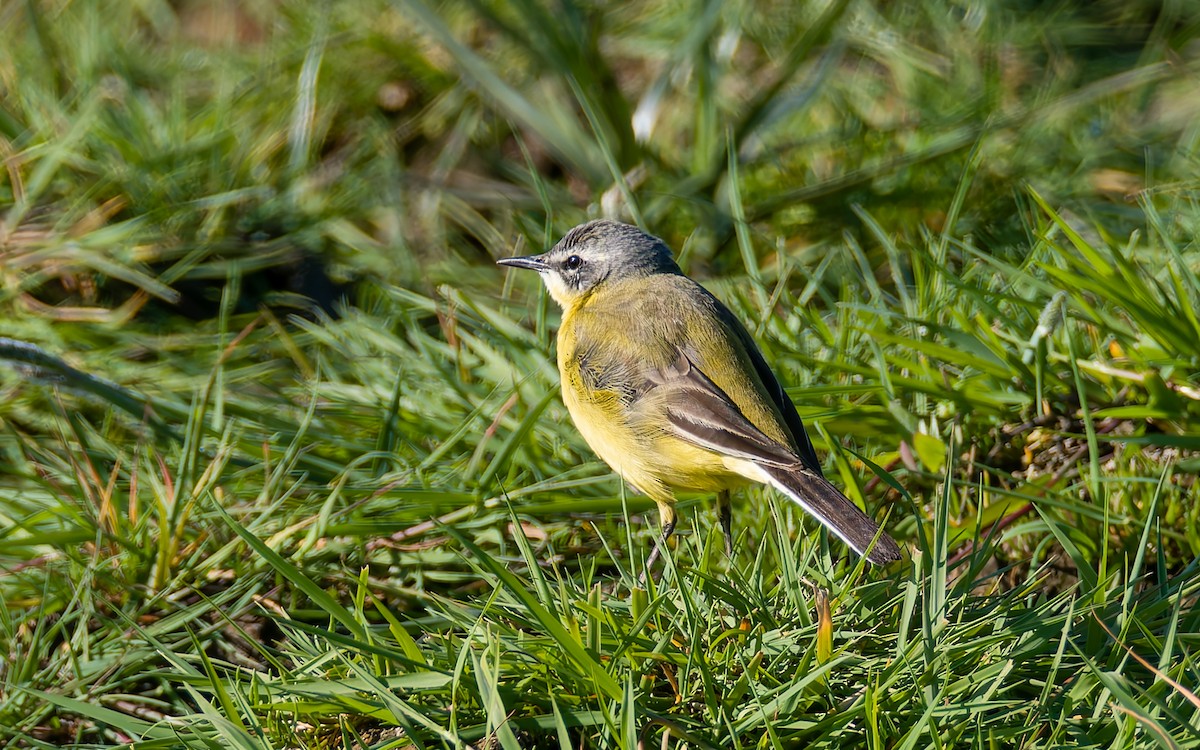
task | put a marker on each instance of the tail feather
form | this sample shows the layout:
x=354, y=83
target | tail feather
x=824, y=502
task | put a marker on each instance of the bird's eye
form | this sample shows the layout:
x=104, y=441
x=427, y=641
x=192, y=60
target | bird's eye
x=573, y=262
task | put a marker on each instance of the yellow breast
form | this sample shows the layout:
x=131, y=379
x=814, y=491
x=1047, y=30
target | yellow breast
x=634, y=440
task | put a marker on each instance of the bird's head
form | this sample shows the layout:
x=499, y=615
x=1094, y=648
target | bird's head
x=593, y=254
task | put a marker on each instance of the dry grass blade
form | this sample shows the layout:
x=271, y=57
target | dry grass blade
x=1191, y=696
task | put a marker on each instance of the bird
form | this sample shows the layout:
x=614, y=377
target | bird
x=667, y=386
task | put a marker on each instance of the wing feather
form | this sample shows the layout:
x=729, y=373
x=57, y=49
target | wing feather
x=791, y=418
x=701, y=413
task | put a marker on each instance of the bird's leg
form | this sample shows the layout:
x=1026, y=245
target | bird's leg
x=725, y=516
x=666, y=514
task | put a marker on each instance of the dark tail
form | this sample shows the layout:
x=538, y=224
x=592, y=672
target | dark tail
x=824, y=502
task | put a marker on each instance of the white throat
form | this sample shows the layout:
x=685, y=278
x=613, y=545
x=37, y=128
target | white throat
x=559, y=291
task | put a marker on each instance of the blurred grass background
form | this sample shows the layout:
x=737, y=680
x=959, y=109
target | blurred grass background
x=282, y=459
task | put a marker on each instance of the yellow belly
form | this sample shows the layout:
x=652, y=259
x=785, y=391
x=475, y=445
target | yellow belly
x=626, y=427
x=643, y=454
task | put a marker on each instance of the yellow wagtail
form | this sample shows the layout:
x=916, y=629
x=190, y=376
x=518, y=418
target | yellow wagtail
x=668, y=387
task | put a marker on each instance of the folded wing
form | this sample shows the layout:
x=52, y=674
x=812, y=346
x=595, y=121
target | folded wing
x=701, y=413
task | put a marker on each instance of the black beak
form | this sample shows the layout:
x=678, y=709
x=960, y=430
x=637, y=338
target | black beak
x=532, y=262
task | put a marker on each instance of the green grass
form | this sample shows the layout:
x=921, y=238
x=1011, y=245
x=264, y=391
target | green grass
x=282, y=459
